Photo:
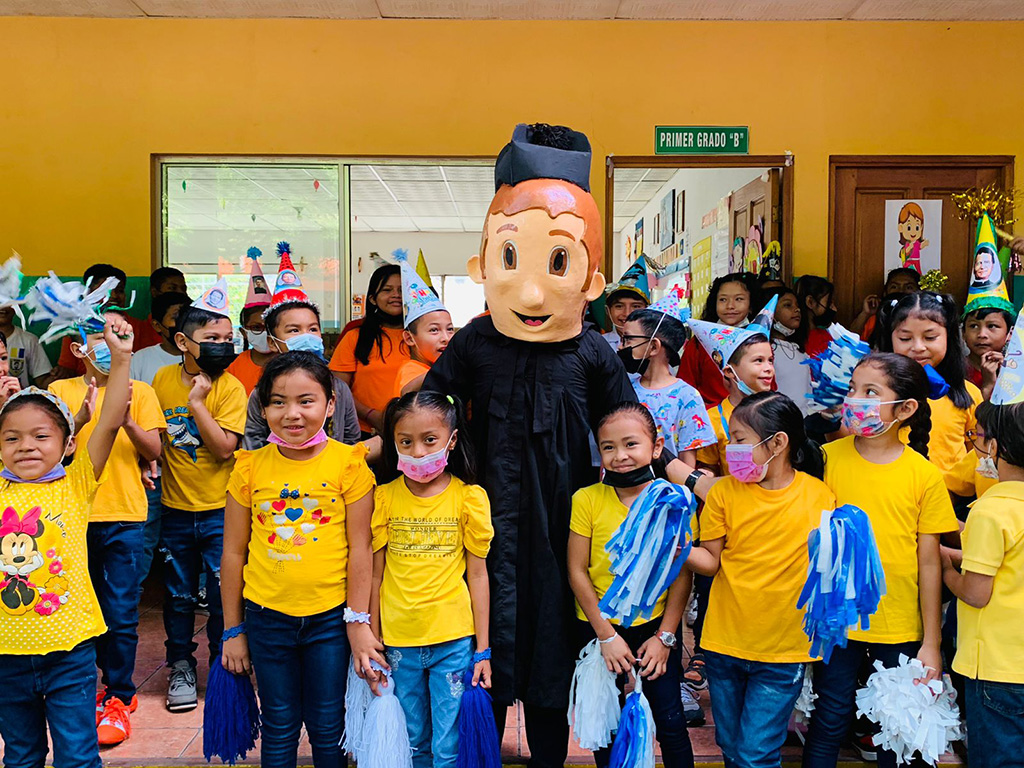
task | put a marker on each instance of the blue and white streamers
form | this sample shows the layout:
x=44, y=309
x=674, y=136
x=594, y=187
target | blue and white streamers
x=845, y=580
x=67, y=307
x=479, y=746
x=832, y=369
x=593, y=699
x=634, y=741
x=914, y=716
x=643, y=551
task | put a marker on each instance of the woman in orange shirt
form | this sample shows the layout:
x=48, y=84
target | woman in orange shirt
x=369, y=361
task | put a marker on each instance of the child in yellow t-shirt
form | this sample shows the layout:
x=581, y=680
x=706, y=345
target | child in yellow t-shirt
x=49, y=615
x=754, y=533
x=116, y=525
x=296, y=553
x=431, y=534
x=990, y=588
x=925, y=327
x=907, y=503
x=205, y=411
x=629, y=443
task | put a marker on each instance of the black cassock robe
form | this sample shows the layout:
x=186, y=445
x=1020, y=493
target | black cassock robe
x=533, y=408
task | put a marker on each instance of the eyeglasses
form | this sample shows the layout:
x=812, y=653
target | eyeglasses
x=974, y=436
x=627, y=337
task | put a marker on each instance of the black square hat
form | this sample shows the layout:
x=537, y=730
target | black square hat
x=542, y=151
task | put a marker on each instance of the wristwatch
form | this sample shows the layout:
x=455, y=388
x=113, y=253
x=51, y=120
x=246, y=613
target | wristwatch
x=667, y=639
x=691, y=480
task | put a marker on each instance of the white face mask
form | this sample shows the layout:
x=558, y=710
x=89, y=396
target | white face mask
x=782, y=330
x=987, y=468
x=257, y=341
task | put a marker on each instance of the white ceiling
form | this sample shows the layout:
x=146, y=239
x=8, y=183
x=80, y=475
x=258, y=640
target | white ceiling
x=284, y=198
x=739, y=10
x=634, y=188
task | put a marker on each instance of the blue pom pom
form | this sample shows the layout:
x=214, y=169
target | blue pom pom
x=832, y=370
x=254, y=253
x=400, y=254
x=282, y=248
x=937, y=386
x=479, y=746
x=845, y=581
x=634, y=741
x=231, y=719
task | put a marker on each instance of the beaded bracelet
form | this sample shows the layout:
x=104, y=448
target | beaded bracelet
x=484, y=655
x=233, y=632
x=355, y=617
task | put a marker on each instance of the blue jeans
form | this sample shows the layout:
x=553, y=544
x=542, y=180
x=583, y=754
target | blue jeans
x=115, y=550
x=151, y=531
x=191, y=542
x=58, y=688
x=995, y=724
x=428, y=683
x=662, y=694
x=836, y=686
x=751, y=702
x=301, y=665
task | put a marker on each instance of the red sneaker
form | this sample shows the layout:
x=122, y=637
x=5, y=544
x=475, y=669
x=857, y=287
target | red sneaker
x=115, y=725
x=100, y=696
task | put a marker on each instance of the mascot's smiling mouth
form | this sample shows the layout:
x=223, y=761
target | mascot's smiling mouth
x=534, y=321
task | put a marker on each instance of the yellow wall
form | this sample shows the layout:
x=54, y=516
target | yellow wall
x=85, y=102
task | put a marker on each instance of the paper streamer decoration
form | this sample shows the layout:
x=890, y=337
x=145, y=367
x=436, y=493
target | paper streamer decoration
x=1009, y=386
x=593, y=700
x=231, y=716
x=357, y=699
x=832, y=370
x=914, y=717
x=10, y=281
x=805, y=701
x=375, y=727
x=845, y=580
x=634, y=742
x=643, y=551
x=67, y=306
x=478, y=733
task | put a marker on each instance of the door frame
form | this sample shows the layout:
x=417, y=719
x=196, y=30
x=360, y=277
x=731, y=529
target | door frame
x=700, y=161
x=1002, y=163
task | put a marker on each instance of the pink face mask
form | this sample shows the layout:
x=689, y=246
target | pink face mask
x=740, y=460
x=425, y=468
x=319, y=437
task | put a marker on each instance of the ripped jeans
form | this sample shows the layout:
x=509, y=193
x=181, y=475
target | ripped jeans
x=428, y=684
x=191, y=542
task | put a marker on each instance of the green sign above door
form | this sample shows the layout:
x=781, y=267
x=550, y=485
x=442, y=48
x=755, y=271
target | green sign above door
x=701, y=140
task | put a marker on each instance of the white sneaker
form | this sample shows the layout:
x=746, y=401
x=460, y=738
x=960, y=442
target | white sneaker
x=692, y=709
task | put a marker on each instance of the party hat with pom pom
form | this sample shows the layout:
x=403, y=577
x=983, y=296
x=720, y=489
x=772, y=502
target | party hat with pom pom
x=259, y=293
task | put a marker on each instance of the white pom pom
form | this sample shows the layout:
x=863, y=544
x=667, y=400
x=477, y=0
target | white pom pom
x=914, y=717
x=593, y=700
x=805, y=701
x=357, y=699
x=67, y=306
x=385, y=734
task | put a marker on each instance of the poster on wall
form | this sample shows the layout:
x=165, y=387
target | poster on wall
x=724, y=207
x=720, y=253
x=667, y=233
x=700, y=270
x=681, y=211
x=913, y=235
x=638, y=240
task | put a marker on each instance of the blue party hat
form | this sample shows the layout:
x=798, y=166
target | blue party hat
x=765, y=317
x=722, y=341
x=417, y=298
x=1009, y=386
x=635, y=280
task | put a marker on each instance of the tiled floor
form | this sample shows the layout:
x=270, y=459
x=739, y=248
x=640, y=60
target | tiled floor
x=160, y=738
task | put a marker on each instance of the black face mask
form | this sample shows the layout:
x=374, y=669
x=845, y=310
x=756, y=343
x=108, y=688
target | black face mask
x=826, y=318
x=630, y=479
x=215, y=356
x=630, y=363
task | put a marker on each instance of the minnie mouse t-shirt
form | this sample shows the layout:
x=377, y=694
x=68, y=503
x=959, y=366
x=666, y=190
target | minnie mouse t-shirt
x=47, y=602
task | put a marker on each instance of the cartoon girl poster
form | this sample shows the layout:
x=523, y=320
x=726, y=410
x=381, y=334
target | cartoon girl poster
x=913, y=234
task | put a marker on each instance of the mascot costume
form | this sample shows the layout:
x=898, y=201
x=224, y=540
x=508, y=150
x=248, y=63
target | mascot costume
x=539, y=379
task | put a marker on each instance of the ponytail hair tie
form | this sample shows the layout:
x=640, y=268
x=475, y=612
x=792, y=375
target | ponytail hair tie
x=450, y=399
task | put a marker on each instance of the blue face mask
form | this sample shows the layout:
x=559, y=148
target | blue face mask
x=100, y=356
x=306, y=342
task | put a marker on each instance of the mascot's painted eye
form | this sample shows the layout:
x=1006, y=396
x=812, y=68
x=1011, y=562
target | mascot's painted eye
x=509, y=255
x=558, y=261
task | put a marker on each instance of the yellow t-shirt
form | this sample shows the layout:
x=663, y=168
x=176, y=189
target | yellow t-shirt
x=714, y=455
x=47, y=601
x=424, y=598
x=193, y=480
x=964, y=480
x=752, y=611
x=298, y=548
x=902, y=499
x=123, y=497
x=947, y=441
x=990, y=643
x=597, y=514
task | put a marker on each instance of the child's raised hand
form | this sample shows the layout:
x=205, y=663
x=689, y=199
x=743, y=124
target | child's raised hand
x=870, y=305
x=119, y=336
x=653, y=658
x=990, y=363
x=482, y=673
x=88, y=408
x=617, y=656
x=8, y=386
x=201, y=386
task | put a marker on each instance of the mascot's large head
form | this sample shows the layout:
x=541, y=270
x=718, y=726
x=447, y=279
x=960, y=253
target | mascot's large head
x=542, y=240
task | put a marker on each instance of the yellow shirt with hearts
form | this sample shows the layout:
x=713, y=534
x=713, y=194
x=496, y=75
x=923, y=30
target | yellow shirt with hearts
x=298, y=548
x=47, y=601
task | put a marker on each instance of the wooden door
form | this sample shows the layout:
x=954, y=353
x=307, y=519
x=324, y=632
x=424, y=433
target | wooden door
x=756, y=201
x=858, y=189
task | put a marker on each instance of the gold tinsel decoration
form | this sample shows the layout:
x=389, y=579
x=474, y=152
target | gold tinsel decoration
x=990, y=199
x=934, y=280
